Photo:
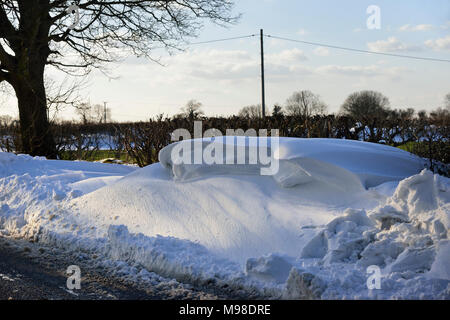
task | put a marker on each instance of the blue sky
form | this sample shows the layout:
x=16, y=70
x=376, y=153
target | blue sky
x=225, y=76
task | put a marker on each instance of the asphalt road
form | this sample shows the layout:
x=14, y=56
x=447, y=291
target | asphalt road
x=24, y=276
x=29, y=271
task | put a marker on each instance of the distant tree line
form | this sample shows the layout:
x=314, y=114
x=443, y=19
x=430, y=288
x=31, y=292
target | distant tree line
x=364, y=116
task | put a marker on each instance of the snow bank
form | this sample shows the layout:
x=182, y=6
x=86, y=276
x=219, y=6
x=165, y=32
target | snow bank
x=440, y=268
x=342, y=240
x=31, y=188
x=11, y=164
x=406, y=237
x=310, y=234
x=168, y=256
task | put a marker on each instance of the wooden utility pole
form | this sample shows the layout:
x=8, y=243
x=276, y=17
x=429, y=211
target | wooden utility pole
x=104, y=112
x=263, y=101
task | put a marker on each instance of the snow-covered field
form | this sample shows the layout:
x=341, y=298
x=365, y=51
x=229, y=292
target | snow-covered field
x=334, y=208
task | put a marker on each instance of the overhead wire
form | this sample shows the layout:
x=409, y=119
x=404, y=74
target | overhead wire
x=358, y=50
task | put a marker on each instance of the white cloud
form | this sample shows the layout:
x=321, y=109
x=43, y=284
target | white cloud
x=232, y=65
x=362, y=71
x=277, y=43
x=223, y=66
x=423, y=27
x=302, y=32
x=350, y=70
x=419, y=27
x=392, y=44
x=441, y=44
x=322, y=52
x=215, y=64
x=287, y=56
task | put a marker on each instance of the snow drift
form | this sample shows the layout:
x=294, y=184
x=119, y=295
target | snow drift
x=235, y=212
x=333, y=209
x=345, y=164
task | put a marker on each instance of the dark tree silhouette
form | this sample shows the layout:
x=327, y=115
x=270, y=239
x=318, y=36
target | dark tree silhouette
x=251, y=112
x=368, y=108
x=304, y=104
x=192, y=110
x=37, y=33
x=277, y=111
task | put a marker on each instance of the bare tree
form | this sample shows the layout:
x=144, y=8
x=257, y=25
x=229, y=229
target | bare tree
x=251, y=112
x=35, y=34
x=432, y=134
x=62, y=94
x=101, y=114
x=369, y=108
x=84, y=110
x=447, y=101
x=305, y=104
x=92, y=113
x=192, y=110
x=6, y=119
x=277, y=111
x=364, y=103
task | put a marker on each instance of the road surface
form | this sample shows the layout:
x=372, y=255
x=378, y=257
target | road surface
x=31, y=272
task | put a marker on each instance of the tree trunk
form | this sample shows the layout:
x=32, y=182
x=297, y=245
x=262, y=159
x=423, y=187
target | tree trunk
x=37, y=138
x=30, y=44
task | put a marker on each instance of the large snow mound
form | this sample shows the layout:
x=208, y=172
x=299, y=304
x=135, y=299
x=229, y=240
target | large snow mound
x=345, y=164
x=313, y=239
x=236, y=217
x=237, y=213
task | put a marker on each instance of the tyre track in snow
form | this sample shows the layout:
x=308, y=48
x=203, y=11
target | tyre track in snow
x=29, y=272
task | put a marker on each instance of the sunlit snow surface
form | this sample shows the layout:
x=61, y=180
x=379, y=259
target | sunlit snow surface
x=362, y=204
x=345, y=164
